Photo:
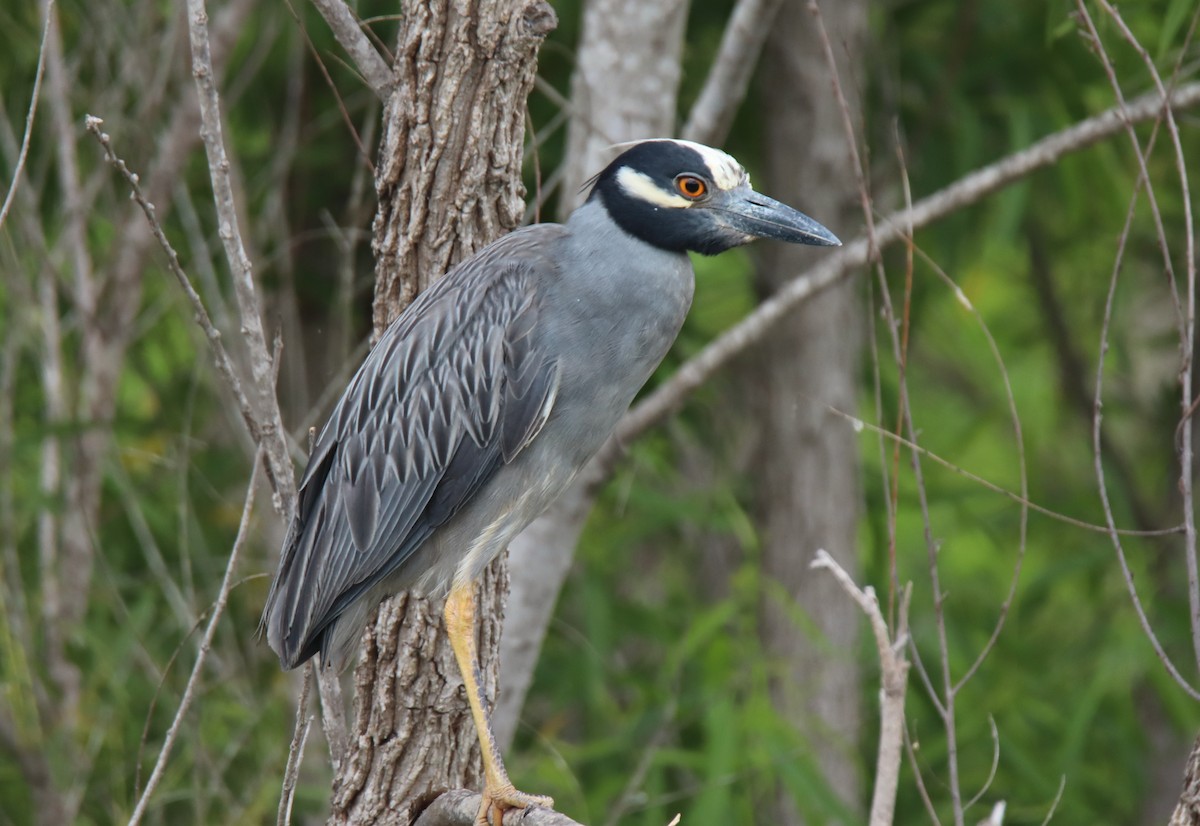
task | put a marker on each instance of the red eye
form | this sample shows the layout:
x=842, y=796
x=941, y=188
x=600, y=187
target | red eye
x=690, y=186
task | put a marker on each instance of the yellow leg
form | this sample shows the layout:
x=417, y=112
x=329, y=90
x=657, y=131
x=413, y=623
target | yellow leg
x=498, y=791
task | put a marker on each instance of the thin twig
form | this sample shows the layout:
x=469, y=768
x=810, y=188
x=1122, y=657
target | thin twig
x=291, y=773
x=1022, y=471
x=899, y=339
x=1186, y=327
x=911, y=749
x=29, y=116
x=859, y=424
x=218, y=610
x=223, y=362
x=987, y=784
x=1062, y=787
x=1187, y=344
x=637, y=778
x=333, y=714
x=364, y=155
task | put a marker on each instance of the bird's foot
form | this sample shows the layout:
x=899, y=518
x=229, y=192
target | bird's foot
x=499, y=799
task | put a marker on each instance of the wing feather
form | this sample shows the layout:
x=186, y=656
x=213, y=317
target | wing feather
x=455, y=389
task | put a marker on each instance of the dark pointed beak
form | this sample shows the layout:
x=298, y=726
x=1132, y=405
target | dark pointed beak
x=755, y=215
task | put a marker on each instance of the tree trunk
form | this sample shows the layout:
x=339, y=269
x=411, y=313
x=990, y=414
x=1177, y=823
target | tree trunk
x=624, y=88
x=806, y=471
x=1187, y=811
x=449, y=181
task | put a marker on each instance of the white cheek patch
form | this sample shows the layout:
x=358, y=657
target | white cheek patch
x=641, y=186
x=727, y=173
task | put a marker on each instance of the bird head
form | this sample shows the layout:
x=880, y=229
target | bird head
x=679, y=195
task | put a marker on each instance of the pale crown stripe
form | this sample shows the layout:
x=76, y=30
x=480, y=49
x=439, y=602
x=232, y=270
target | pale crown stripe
x=641, y=186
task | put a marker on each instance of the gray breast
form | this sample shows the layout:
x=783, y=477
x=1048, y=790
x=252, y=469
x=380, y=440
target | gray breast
x=611, y=317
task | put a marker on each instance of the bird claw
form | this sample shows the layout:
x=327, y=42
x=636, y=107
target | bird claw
x=497, y=801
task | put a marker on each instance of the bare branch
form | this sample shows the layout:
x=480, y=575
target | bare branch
x=967, y=190
x=262, y=393
x=348, y=32
x=1062, y=787
x=894, y=679
x=29, y=116
x=295, y=752
x=217, y=610
x=729, y=77
x=221, y=356
x=75, y=230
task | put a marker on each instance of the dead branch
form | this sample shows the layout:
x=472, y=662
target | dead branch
x=262, y=388
x=348, y=32
x=669, y=396
x=894, y=680
x=291, y=773
x=224, y=363
x=725, y=86
x=29, y=116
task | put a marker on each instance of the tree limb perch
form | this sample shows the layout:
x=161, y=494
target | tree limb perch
x=459, y=807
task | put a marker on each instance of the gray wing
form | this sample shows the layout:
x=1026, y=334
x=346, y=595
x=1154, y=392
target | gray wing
x=454, y=389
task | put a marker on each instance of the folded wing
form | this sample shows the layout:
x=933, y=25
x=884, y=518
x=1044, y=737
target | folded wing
x=455, y=389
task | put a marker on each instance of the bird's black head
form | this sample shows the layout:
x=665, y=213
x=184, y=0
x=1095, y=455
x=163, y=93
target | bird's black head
x=679, y=195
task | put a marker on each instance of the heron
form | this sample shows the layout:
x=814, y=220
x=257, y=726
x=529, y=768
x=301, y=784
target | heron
x=490, y=392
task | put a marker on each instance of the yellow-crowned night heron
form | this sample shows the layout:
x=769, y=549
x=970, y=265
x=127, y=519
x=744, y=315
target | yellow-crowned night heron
x=482, y=401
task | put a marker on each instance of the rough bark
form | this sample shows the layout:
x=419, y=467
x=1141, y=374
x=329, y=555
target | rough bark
x=449, y=181
x=449, y=171
x=624, y=88
x=1187, y=812
x=806, y=472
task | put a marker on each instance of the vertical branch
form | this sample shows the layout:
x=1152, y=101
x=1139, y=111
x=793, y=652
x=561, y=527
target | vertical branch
x=894, y=678
x=291, y=773
x=64, y=554
x=62, y=672
x=262, y=394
